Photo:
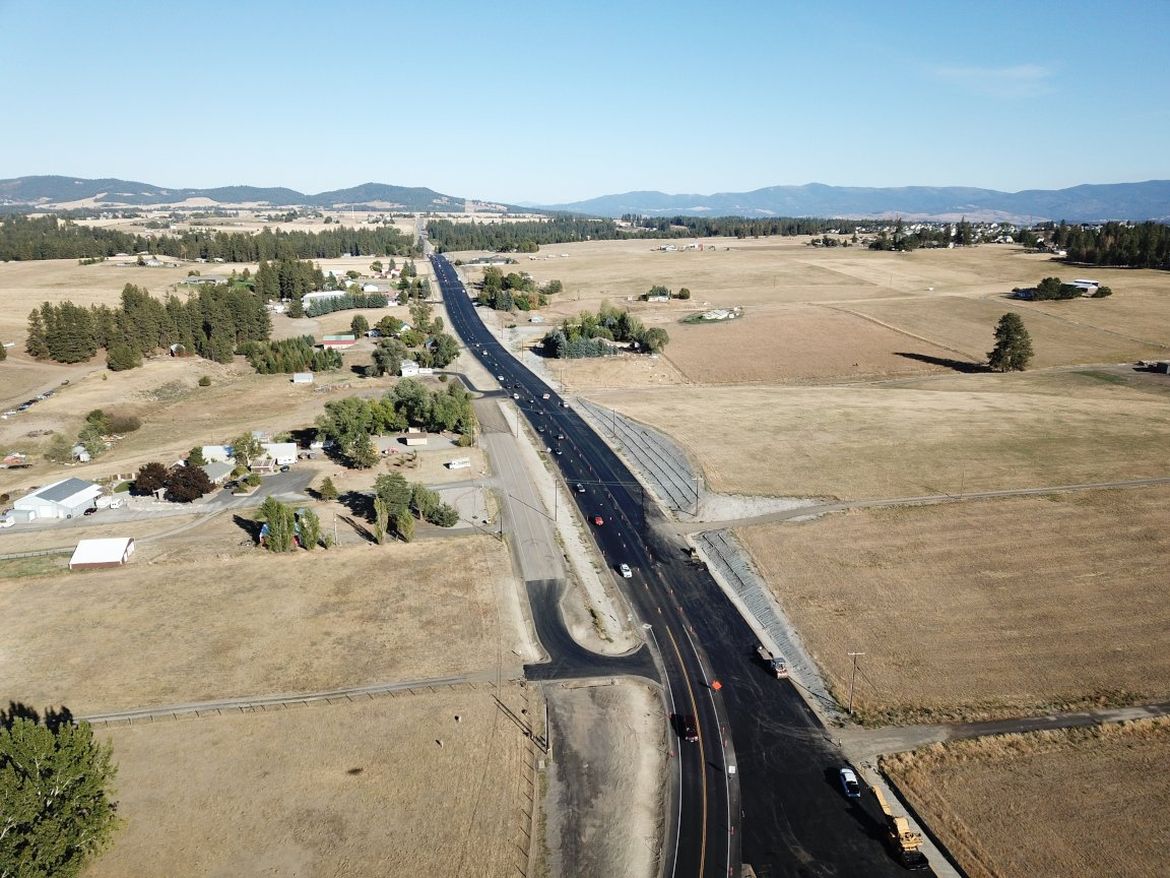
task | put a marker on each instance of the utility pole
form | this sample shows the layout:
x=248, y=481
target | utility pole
x=853, y=679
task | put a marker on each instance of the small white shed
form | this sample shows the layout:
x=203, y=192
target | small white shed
x=95, y=554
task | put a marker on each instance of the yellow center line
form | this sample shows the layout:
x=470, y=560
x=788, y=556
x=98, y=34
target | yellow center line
x=702, y=758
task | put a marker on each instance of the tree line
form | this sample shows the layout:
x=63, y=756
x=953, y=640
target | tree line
x=1132, y=245
x=588, y=335
x=288, y=355
x=514, y=291
x=350, y=422
x=346, y=302
x=211, y=323
x=518, y=237
x=47, y=237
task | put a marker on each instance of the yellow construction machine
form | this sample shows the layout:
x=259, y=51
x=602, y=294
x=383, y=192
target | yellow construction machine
x=903, y=841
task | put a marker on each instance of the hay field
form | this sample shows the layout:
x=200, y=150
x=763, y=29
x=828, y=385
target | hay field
x=1075, y=802
x=341, y=790
x=1059, y=336
x=767, y=271
x=795, y=343
x=948, y=433
x=193, y=625
x=982, y=609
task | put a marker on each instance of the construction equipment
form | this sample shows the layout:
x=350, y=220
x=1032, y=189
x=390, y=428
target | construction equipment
x=903, y=841
x=774, y=663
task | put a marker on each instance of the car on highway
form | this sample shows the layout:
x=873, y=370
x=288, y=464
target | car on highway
x=580, y=488
x=598, y=520
x=515, y=396
x=499, y=377
x=849, y=783
x=625, y=570
x=560, y=435
x=545, y=396
x=686, y=727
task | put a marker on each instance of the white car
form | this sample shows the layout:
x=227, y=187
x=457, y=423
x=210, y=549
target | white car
x=626, y=571
x=7, y=522
x=849, y=783
x=545, y=396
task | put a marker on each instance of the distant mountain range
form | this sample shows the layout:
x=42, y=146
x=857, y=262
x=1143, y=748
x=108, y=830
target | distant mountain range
x=1086, y=203
x=54, y=191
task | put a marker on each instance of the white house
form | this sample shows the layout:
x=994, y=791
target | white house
x=408, y=368
x=371, y=288
x=63, y=499
x=282, y=453
x=217, y=453
x=320, y=296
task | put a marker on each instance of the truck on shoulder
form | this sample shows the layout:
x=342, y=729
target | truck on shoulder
x=905, y=842
x=774, y=663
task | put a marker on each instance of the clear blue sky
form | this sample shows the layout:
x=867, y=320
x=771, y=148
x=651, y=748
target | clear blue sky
x=559, y=101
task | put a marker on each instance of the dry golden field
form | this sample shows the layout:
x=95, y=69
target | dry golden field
x=982, y=609
x=1076, y=802
x=793, y=343
x=1059, y=336
x=190, y=622
x=341, y=790
x=947, y=433
x=848, y=313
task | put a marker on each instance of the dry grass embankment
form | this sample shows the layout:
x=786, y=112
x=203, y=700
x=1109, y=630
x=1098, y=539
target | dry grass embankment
x=982, y=609
x=1071, y=802
x=341, y=790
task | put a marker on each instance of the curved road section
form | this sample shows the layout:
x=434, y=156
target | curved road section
x=759, y=785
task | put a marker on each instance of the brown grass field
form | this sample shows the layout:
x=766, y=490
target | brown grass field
x=794, y=343
x=1059, y=336
x=949, y=433
x=1074, y=802
x=190, y=623
x=982, y=609
x=342, y=790
x=847, y=313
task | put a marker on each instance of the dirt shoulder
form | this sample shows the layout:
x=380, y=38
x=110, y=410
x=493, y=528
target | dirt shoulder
x=606, y=782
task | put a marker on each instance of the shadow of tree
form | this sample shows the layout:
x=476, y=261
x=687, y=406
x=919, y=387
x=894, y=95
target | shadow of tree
x=53, y=718
x=249, y=526
x=965, y=366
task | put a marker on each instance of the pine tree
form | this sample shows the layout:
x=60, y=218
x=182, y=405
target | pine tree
x=327, y=490
x=36, y=345
x=1013, y=345
x=363, y=455
x=56, y=787
x=310, y=526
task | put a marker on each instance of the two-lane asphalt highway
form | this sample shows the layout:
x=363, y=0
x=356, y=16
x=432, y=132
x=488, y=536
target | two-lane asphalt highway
x=759, y=783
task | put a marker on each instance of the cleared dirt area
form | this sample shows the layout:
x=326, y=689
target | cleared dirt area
x=795, y=343
x=982, y=609
x=185, y=623
x=341, y=790
x=1076, y=802
x=949, y=433
x=606, y=784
